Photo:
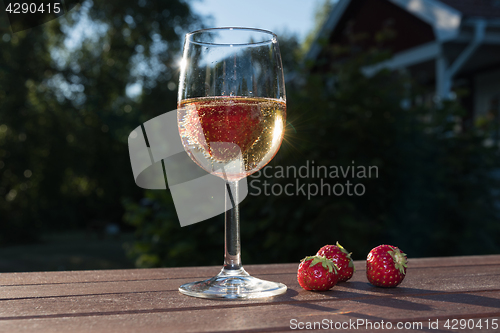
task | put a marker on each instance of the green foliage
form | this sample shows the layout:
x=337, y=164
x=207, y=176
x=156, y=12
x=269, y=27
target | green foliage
x=290, y=52
x=434, y=194
x=25, y=135
x=321, y=14
x=65, y=114
x=161, y=242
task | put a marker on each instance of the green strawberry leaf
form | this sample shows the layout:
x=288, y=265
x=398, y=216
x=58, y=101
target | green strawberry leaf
x=351, y=264
x=342, y=248
x=348, y=255
x=399, y=258
x=326, y=263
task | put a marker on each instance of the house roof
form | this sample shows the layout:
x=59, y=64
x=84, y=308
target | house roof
x=487, y=9
x=456, y=38
x=445, y=16
x=444, y=20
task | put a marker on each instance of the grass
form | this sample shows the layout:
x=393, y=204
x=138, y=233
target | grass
x=76, y=250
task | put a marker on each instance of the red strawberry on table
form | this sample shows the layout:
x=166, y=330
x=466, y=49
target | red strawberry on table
x=386, y=266
x=317, y=273
x=341, y=258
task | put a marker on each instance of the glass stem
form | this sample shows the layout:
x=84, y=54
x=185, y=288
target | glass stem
x=232, y=259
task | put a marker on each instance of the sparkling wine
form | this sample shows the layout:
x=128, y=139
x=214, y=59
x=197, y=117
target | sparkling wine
x=218, y=130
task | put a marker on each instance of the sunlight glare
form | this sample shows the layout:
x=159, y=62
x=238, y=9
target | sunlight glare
x=278, y=130
x=182, y=64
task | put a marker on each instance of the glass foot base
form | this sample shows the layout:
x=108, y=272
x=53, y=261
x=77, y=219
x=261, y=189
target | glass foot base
x=233, y=284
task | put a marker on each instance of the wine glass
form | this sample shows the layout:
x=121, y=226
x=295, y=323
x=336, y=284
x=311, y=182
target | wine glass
x=231, y=117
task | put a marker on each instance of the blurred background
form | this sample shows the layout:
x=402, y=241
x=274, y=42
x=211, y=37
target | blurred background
x=412, y=90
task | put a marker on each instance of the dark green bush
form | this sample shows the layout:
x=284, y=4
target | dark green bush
x=434, y=195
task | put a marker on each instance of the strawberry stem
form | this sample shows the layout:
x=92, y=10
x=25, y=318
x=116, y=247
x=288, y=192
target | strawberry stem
x=400, y=261
x=326, y=263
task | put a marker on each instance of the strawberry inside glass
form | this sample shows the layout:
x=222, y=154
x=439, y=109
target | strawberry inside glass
x=229, y=124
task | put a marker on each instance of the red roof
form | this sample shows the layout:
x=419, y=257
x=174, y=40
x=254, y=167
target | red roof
x=479, y=8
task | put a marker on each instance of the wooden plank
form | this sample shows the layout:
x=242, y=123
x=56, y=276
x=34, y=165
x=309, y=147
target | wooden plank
x=274, y=317
x=492, y=259
x=170, y=302
x=206, y=271
x=448, y=278
x=38, y=278
x=137, y=295
x=135, y=300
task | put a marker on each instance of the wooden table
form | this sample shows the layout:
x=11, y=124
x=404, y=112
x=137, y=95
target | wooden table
x=147, y=300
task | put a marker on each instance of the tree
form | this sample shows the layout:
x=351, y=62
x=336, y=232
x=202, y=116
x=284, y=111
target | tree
x=431, y=192
x=321, y=15
x=71, y=92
